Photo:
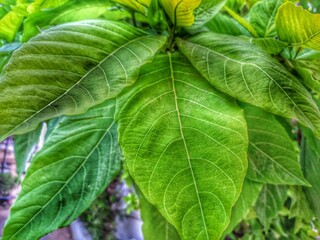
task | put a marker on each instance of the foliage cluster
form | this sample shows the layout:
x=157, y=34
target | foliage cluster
x=213, y=105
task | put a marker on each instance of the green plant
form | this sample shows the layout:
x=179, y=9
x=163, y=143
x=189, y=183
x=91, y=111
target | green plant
x=199, y=95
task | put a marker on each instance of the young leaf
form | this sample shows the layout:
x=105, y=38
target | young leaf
x=298, y=26
x=60, y=184
x=24, y=147
x=272, y=156
x=155, y=226
x=248, y=197
x=70, y=68
x=181, y=11
x=262, y=17
x=310, y=161
x=269, y=203
x=185, y=145
x=10, y=25
x=238, y=68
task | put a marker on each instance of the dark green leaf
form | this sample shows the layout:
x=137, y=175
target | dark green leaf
x=272, y=156
x=185, y=145
x=77, y=162
x=238, y=68
x=70, y=68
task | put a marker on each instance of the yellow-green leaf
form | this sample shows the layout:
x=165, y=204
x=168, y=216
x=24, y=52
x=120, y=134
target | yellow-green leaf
x=181, y=11
x=138, y=5
x=298, y=26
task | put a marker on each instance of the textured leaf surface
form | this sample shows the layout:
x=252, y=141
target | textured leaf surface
x=262, y=17
x=155, y=226
x=206, y=11
x=270, y=202
x=138, y=5
x=270, y=45
x=181, y=11
x=298, y=26
x=247, y=73
x=6, y=52
x=272, y=156
x=249, y=195
x=68, y=69
x=24, y=147
x=300, y=207
x=310, y=161
x=185, y=146
x=75, y=165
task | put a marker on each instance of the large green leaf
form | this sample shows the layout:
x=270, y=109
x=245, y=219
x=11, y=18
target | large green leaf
x=298, y=26
x=70, y=68
x=72, y=11
x=238, y=68
x=249, y=195
x=270, y=45
x=206, y=11
x=262, y=17
x=270, y=202
x=310, y=161
x=272, y=156
x=75, y=165
x=6, y=52
x=300, y=207
x=24, y=147
x=185, y=145
x=155, y=226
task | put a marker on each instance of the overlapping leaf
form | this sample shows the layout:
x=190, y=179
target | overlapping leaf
x=75, y=165
x=247, y=73
x=70, y=68
x=138, y=5
x=185, y=146
x=272, y=156
x=181, y=11
x=298, y=26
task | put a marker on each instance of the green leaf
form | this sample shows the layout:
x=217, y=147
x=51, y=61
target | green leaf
x=272, y=156
x=238, y=68
x=181, y=11
x=24, y=147
x=298, y=26
x=300, y=207
x=155, y=226
x=270, y=45
x=262, y=17
x=6, y=52
x=70, y=68
x=72, y=11
x=269, y=203
x=310, y=161
x=10, y=24
x=137, y=5
x=224, y=24
x=185, y=145
x=67, y=174
x=206, y=11
x=248, y=197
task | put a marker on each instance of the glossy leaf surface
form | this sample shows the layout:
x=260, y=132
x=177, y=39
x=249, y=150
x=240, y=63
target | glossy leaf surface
x=185, y=145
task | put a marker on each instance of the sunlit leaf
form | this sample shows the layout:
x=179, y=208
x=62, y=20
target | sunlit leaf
x=298, y=26
x=138, y=5
x=185, y=145
x=78, y=161
x=244, y=71
x=181, y=11
x=70, y=68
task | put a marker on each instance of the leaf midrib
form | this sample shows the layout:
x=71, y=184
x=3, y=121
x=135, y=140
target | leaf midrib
x=66, y=183
x=185, y=144
x=74, y=85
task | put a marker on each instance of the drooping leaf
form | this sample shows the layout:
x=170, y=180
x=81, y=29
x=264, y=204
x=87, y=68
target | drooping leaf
x=181, y=11
x=78, y=161
x=270, y=202
x=298, y=26
x=238, y=68
x=155, y=226
x=70, y=68
x=272, y=156
x=185, y=146
x=24, y=147
x=310, y=161
x=248, y=197
x=72, y=11
x=206, y=11
x=224, y=24
x=262, y=17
